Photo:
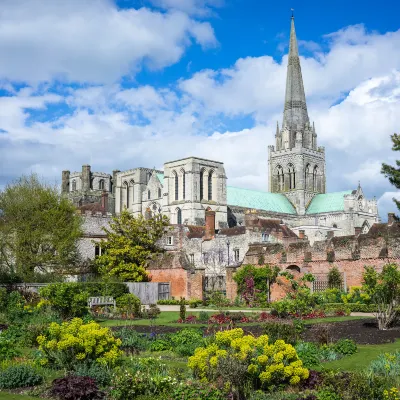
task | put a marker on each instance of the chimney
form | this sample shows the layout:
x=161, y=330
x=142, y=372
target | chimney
x=104, y=200
x=330, y=235
x=391, y=218
x=65, y=182
x=301, y=234
x=210, y=224
x=357, y=230
x=85, y=178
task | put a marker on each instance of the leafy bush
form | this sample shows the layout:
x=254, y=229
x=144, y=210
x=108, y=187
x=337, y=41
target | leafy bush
x=186, y=341
x=346, y=347
x=350, y=307
x=100, y=373
x=129, y=303
x=171, y=302
x=18, y=376
x=218, y=299
x=387, y=365
x=309, y=353
x=285, y=331
x=7, y=348
x=76, y=388
x=194, y=303
x=152, y=312
x=132, y=341
x=195, y=390
x=66, y=298
x=334, y=278
x=267, y=364
x=75, y=342
x=203, y=316
x=182, y=309
x=113, y=289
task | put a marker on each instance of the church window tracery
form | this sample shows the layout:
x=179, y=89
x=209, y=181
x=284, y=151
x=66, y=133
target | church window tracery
x=178, y=216
x=280, y=178
x=292, y=177
x=202, y=172
x=176, y=183
x=183, y=184
x=131, y=192
x=126, y=189
x=315, y=179
x=210, y=179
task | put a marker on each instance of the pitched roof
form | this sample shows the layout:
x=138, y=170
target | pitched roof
x=274, y=202
x=160, y=178
x=327, y=202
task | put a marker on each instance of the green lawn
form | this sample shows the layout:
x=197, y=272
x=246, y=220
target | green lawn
x=170, y=317
x=11, y=396
x=362, y=359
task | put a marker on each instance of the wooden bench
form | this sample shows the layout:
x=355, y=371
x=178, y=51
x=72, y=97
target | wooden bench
x=101, y=301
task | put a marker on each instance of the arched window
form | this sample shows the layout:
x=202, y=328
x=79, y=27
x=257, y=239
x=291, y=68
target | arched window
x=148, y=195
x=315, y=178
x=307, y=177
x=210, y=179
x=202, y=184
x=178, y=216
x=334, y=226
x=101, y=184
x=74, y=185
x=131, y=192
x=159, y=192
x=126, y=189
x=292, y=176
x=280, y=178
x=176, y=183
x=183, y=185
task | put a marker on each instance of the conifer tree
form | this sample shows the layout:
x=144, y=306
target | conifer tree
x=391, y=172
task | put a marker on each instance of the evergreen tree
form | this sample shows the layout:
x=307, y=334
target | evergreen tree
x=131, y=243
x=393, y=173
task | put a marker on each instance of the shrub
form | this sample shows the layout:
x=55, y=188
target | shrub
x=132, y=341
x=101, y=374
x=346, y=347
x=309, y=353
x=285, y=331
x=7, y=348
x=66, y=298
x=203, y=316
x=267, y=364
x=194, y=303
x=387, y=365
x=171, y=302
x=129, y=303
x=19, y=375
x=218, y=299
x=335, y=278
x=186, y=341
x=152, y=312
x=182, y=309
x=195, y=390
x=113, y=289
x=76, y=388
x=75, y=342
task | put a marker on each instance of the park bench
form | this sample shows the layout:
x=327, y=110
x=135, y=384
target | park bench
x=101, y=301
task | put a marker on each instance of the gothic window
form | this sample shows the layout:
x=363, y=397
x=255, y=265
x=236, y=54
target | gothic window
x=131, y=192
x=236, y=253
x=170, y=240
x=101, y=184
x=315, y=179
x=148, y=176
x=97, y=250
x=292, y=176
x=191, y=258
x=280, y=177
x=201, y=185
x=148, y=195
x=210, y=179
x=307, y=177
x=334, y=226
x=126, y=194
x=159, y=192
x=176, y=184
x=183, y=185
x=74, y=185
x=178, y=216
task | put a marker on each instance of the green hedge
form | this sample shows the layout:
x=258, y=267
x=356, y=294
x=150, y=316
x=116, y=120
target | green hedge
x=171, y=302
x=353, y=307
x=113, y=289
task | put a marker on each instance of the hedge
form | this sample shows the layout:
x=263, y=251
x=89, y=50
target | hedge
x=353, y=307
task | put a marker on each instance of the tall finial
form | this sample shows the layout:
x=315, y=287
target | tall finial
x=292, y=9
x=277, y=128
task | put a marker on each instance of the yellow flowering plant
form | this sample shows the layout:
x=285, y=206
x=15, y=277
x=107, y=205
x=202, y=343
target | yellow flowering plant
x=268, y=364
x=70, y=343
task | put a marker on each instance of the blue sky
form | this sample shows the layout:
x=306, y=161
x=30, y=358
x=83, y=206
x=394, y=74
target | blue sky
x=140, y=82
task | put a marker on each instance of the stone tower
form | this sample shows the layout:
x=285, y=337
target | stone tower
x=296, y=164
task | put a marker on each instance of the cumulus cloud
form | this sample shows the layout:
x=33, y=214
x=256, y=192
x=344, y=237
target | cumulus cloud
x=91, y=40
x=195, y=7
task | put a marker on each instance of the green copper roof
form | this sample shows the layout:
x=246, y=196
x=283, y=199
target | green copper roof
x=160, y=178
x=327, y=202
x=274, y=202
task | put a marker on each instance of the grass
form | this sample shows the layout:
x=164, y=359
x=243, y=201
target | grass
x=363, y=357
x=12, y=396
x=169, y=318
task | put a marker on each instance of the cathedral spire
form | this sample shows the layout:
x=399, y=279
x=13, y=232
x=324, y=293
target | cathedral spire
x=295, y=109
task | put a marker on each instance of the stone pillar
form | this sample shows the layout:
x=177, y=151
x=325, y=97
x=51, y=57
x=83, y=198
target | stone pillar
x=114, y=180
x=231, y=285
x=104, y=201
x=85, y=178
x=196, y=284
x=65, y=182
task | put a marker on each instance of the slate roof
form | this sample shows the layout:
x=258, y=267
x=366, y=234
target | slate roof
x=160, y=178
x=327, y=202
x=274, y=202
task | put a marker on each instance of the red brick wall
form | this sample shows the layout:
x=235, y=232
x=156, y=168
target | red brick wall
x=178, y=279
x=231, y=286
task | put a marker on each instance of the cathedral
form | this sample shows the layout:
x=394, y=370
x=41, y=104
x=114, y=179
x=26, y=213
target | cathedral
x=189, y=188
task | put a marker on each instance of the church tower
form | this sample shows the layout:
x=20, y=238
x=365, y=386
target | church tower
x=296, y=164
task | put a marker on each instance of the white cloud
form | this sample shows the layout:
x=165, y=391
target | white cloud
x=91, y=40
x=387, y=205
x=196, y=7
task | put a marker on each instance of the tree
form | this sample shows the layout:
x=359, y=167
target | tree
x=335, y=280
x=39, y=229
x=390, y=172
x=384, y=290
x=131, y=243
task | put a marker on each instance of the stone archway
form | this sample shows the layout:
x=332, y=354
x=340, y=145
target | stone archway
x=293, y=269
